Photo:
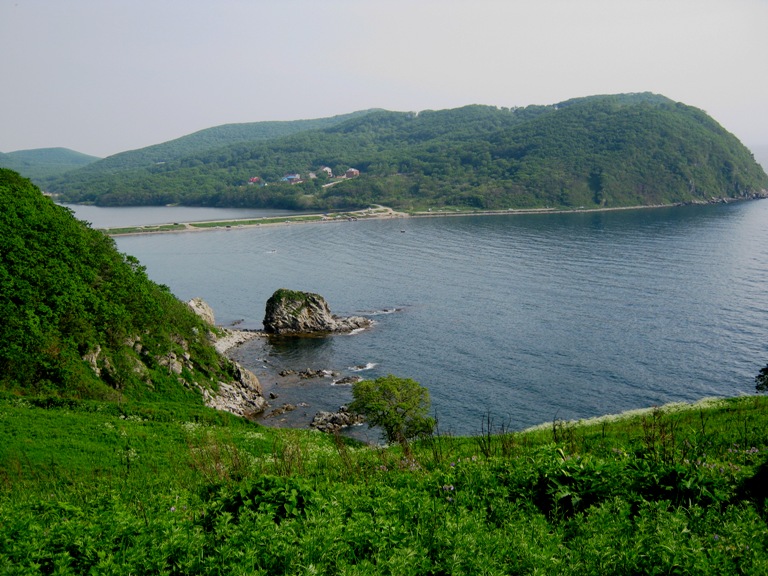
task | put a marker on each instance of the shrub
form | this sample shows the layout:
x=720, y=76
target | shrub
x=398, y=405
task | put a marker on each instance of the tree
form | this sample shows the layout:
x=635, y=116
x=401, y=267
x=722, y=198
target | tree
x=761, y=380
x=398, y=405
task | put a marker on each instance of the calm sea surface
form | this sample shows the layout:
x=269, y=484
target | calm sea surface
x=525, y=318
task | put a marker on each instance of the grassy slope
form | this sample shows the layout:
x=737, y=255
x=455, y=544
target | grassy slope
x=101, y=488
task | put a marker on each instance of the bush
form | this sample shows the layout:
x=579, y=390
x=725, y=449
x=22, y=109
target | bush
x=398, y=405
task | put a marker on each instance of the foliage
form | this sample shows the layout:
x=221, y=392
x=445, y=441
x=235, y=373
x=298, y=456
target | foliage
x=761, y=380
x=398, y=405
x=81, y=320
x=93, y=487
x=600, y=151
x=207, y=140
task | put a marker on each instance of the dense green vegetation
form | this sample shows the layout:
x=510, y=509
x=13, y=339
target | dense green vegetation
x=399, y=406
x=207, y=140
x=81, y=320
x=93, y=488
x=43, y=163
x=600, y=151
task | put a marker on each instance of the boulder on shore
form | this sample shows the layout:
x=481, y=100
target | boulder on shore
x=291, y=312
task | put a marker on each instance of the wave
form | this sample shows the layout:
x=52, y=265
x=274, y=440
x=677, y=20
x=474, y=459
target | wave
x=381, y=312
x=358, y=330
x=361, y=367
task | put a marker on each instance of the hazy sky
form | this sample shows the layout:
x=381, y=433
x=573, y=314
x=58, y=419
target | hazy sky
x=104, y=76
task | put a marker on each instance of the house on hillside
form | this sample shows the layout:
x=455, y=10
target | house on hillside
x=327, y=171
x=352, y=173
x=291, y=178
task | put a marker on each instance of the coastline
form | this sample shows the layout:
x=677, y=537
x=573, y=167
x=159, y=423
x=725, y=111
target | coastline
x=279, y=387
x=300, y=396
x=375, y=213
x=271, y=379
x=380, y=213
x=232, y=339
x=294, y=394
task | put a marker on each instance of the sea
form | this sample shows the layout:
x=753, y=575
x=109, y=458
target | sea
x=510, y=320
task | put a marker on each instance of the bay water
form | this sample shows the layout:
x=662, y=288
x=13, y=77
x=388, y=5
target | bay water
x=523, y=318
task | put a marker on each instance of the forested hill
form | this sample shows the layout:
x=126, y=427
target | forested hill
x=598, y=151
x=42, y=163
x=81, y=320
x=211, y=139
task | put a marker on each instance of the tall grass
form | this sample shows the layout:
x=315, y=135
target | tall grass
x=106, y=489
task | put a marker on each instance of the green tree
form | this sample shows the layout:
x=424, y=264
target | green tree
x=398, y=405
x=761, y=380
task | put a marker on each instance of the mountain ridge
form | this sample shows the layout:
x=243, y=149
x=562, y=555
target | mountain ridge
x=595, y=151
x=41, y=163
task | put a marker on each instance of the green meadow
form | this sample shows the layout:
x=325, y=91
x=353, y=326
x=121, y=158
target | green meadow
x=92, y=487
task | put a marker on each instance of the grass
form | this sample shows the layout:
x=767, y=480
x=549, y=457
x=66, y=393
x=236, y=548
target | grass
x=257, y=221
x=88, y=487
x=144, y=229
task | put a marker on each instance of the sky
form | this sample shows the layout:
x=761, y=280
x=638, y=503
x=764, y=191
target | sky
x=105, y=76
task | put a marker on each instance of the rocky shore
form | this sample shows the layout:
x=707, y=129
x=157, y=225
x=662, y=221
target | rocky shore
x=280, y=402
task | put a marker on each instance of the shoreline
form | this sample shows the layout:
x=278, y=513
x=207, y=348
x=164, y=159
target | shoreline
x=293, y=397
x=378, y=212
x=374, y=213
x=299, y=392
x=232, y=339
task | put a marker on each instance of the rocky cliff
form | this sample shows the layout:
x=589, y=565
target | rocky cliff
x=303, y=313
x=242, y=394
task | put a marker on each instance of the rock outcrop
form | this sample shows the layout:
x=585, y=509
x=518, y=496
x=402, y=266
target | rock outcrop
x=202, y=309
x=290, y=312
x=243, y=395
x=348, y=380
x=335, y=421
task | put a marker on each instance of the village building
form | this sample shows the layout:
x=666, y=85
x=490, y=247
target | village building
x=291, y=178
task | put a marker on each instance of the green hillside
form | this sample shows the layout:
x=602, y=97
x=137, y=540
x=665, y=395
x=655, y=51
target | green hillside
x=599, y=151
x=209, y=139
x=81, y=320
x=44, y=162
